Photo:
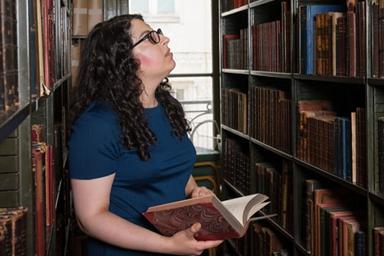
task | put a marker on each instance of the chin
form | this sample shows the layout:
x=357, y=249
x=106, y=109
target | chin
x=171, y=67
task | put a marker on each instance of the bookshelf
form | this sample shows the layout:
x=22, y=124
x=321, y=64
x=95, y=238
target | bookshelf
x=39, y=91
x=267, y=80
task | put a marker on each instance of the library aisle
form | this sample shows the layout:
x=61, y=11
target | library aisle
x=301, y=92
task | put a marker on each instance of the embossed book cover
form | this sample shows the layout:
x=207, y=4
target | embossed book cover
x=219, y=219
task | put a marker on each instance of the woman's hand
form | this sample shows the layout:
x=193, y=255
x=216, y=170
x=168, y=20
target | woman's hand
x=201, y=191
x=184, y=242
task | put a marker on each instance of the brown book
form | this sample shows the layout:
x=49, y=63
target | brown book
x=219, y=220
x=333, y=227
x=95, y=12
x=375, y=39
x=75, y=59
x=13, y=231
x=80, y=17
x=378, y=237
x=333, y=43
x=347, y=226
x=37, y=165
x=227, y=63
x=351, y=43
x=322, y=198
x=43, y=89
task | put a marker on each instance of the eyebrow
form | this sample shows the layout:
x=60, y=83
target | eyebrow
x=144, y=33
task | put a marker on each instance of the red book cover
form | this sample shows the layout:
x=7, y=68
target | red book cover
x=219, y=220
x=226, y=39
x=39, y=202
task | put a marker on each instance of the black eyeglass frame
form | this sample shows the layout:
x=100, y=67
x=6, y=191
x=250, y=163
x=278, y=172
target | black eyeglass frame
x=150, y=37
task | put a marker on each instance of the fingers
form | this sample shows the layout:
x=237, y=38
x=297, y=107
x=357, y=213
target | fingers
x=192, y=231
x=196, y=227
x=213, y=243
x=201, y=191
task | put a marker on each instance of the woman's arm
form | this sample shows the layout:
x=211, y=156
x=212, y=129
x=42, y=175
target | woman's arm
x=91, y=201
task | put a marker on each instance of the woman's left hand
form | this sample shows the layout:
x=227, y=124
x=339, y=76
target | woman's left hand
x=201, y=191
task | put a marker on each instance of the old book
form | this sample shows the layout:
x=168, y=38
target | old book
x=13, y=239
x=308, y=32
x=80, y=18
x=219, y=220
x=95, y=13
x=75, y=59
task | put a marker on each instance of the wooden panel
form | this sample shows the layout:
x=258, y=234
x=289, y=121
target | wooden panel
x=9, y=199
x=8, y=147
x=9, y=164
x=9, y=181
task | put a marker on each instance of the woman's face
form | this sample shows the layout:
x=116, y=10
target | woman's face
x=156, y=60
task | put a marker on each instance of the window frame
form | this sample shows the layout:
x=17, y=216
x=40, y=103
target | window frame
x=215, y=44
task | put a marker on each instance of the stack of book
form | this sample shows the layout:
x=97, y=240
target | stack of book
x=13, y=232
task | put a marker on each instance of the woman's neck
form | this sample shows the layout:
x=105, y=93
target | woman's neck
x=148, y=100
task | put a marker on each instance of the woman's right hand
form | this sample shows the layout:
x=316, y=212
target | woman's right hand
x=184, y=242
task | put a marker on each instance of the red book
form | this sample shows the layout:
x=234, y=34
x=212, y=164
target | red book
x=219, y=220
x=226, y=55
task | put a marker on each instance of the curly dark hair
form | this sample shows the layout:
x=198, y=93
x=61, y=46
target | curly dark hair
x=107, y=72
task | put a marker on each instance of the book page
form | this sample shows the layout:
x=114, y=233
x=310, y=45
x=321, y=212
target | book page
x=254, y=209
x=241, y=207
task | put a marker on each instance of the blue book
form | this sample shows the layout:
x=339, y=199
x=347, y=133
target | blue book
x=345, y=148
x=307, y=23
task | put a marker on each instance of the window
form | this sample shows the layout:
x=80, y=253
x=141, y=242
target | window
x=191, y=44
x=166, y=6
x=163, y=11
x=140, y=6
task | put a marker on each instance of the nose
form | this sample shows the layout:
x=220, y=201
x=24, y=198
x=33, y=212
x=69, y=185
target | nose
x=164, y=39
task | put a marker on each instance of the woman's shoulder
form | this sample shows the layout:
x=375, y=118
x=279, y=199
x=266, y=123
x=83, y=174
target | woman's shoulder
x=96, y=112
x=97, y=118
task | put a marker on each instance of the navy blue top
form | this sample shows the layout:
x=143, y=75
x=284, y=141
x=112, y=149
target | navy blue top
x=96, y=150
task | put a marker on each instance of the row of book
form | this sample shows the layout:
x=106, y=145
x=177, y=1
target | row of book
x=331, y=225
x=234, y=109
x=270, y=117
x=44, y=190
x=262, y=241
x=332, y=40
x=235, y=50
x=342, y=140
x=9, y=95
x=86, y=14
x=276, y=182
x=333, y=143
x=271, y=43
x=49, y=45
x=236, y=163
x=13, y=231
x=266, y=177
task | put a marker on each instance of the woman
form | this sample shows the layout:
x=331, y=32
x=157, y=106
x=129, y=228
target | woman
x=128, y=148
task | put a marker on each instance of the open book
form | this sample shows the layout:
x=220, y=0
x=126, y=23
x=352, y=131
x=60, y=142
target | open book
x=219, y=220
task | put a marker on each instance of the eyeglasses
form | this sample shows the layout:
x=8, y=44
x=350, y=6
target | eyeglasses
x=153, y=37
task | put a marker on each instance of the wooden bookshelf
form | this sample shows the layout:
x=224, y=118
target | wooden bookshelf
x=360, y=92
x=35, y=106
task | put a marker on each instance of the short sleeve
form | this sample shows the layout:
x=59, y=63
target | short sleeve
x=93, y=148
